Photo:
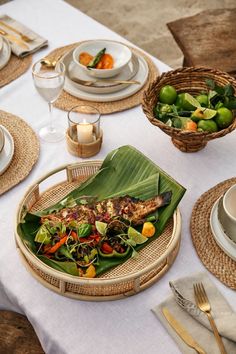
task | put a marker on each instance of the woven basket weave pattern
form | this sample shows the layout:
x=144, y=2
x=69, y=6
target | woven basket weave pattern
x=25, y=140
x=212, y=256
x=14, y=68
x=127, y=278
x=191, y=80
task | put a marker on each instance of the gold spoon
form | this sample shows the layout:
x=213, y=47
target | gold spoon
x=50, y=63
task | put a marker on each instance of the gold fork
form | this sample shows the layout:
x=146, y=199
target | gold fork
x=204, y=305
x=14, y=39
x=23, y=36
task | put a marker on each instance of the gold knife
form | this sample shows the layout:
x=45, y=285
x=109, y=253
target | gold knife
x=110, y=81
x=14, y=39
x=182, y=332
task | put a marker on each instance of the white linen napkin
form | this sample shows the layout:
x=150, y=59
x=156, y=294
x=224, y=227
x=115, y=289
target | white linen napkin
x=182, y=307
x=21, y=49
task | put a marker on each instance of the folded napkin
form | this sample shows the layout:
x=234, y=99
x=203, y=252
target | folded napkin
x=182, y=307
x=21, y=48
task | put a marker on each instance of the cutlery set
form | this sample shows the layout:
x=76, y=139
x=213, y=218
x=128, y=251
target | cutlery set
x=22, y=40
x=50, y=63
x=203, y=304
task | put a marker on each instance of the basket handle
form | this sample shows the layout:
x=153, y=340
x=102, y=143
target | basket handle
x=145, y=285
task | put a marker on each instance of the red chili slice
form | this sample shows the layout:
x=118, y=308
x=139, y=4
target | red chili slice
x=106, y=248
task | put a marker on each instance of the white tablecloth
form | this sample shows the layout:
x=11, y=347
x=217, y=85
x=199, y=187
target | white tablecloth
x=69, y=326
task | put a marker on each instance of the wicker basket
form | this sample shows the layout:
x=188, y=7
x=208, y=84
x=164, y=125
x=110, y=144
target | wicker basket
x=124, y=280
x=191, y=80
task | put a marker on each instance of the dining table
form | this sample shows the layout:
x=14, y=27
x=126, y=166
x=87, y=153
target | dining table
x=69, y=326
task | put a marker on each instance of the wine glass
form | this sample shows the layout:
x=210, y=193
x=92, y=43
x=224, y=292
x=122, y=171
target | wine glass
x=49, y=82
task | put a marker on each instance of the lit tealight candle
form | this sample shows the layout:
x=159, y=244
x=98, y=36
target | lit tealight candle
x=85, y=133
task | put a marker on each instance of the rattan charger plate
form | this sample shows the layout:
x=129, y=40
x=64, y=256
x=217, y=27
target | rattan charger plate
x=211, y=255
x=26, y=151
x=124, y=280
x=67, y=101
x=14, y=68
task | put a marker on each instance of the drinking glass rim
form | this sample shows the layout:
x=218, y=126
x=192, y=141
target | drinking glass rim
x=57, y=74
x=84, y=105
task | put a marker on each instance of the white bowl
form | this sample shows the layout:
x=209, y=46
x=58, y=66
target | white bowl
x=227, y=212
x=120, y=53
x=222, y=239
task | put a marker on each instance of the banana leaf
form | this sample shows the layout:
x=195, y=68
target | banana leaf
x=125, y=171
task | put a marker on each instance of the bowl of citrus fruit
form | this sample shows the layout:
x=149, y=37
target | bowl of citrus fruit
x=193, y=105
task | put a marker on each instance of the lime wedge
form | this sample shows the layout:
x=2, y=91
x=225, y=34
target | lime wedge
x=136, y=236
x=101, y=227
x=191, y=100
x=43, y=235
x=208, y=113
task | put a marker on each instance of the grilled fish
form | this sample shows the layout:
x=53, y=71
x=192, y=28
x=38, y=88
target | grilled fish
x=128, y=208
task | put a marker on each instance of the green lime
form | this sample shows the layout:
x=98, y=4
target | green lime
x=203, y=100
x=136, y=236
x=224, y=117
x=209, y=113
x=207, y=126
x=189, y=102
x=167, y=94
x=203, y=113
x=179, y=100
x=101, y=227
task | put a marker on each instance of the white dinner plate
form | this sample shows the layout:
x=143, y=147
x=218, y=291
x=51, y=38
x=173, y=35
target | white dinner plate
x=141, y=76
x=7, y=153
x=1, y=43
x=5, y=53
x=223, y=241
x=102, y=86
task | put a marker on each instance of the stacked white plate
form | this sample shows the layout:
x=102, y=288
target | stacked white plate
x=5, y=52
x=6, y=149
x=219, y=234
x=104, y=90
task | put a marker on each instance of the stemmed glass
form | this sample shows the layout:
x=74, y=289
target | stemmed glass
x=49, y=82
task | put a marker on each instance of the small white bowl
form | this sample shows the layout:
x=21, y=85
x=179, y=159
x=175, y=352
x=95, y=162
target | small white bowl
x=120, y=53
x=227, y=213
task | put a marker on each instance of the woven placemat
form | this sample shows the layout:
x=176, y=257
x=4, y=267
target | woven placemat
x=67, y=101
x=14, y=68
x=211, y=255
x=26, y=151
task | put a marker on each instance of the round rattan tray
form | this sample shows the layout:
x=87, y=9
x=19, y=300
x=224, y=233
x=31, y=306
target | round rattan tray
x=124, y=280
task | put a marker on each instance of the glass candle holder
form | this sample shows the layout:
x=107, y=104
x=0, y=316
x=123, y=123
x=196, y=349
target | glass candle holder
x=84, y=136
